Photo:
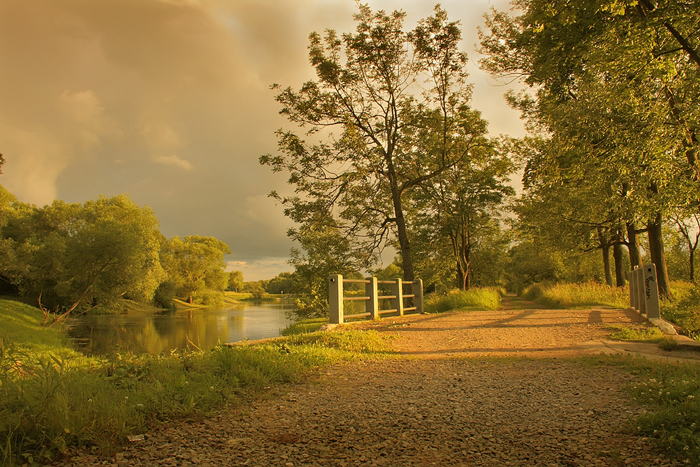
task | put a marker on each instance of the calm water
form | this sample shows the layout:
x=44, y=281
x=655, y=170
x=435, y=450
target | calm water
x=191, y=329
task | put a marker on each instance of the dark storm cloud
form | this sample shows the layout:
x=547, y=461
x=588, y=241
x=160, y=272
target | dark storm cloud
x=169, y=102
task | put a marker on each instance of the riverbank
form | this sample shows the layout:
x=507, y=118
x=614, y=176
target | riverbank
x=54, y=400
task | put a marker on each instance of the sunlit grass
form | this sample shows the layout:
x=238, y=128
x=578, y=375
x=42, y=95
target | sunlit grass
x=487, y=298
x=577, y=295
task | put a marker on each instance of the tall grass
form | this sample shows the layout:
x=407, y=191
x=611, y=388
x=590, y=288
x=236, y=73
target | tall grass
x=487, y=298
x=577, y=295
x=51, y=399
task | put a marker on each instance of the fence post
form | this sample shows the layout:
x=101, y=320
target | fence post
x=651, y=291
x=418, y=295
x=335, y=299
x=398, y=292
x=372, y=304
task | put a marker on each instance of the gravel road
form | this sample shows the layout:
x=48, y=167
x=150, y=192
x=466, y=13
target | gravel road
x=434, y=405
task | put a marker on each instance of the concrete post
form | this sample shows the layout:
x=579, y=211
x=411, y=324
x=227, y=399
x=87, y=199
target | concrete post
x=418, y=292
x=398, y=292
x=335, y=299
x=372, y=305
x=651, y=291
x=640, y=290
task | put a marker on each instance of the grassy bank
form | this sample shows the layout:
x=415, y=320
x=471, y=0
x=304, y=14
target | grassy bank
x=487, y=298
x=53, y=399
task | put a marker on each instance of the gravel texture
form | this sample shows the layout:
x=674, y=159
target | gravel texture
x=433, y=406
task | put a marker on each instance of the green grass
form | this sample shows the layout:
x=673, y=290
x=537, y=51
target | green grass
x=304, y=326
x=487, y=298
x=577, y=295
x=638, y=334
x=53, y=399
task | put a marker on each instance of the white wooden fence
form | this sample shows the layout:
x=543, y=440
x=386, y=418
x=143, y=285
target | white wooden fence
x=397, y=299
x=644, y=290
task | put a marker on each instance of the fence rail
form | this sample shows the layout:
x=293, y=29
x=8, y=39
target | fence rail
x=398, y=297
x=644, y=290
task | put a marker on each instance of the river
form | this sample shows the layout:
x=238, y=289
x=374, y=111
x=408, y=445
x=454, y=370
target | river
x=201, y=328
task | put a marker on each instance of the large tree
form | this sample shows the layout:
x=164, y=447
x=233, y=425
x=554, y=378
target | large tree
x=377, y=88
x=195, y=265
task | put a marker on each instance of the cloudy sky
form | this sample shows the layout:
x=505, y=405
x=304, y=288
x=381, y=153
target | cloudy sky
x=169, y=102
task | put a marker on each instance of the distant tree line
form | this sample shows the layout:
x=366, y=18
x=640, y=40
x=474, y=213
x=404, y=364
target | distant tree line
x=72, y=257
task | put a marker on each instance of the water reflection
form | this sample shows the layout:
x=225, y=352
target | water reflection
x=183, y=329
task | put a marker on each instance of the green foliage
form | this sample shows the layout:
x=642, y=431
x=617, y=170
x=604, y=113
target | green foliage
x=577, y=295
x=284, y=282
x=75, y=257
x=610, y=108
x=487, y=298
x=235, y=281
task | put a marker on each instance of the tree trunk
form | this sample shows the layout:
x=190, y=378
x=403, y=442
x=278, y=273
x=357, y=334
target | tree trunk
x=633, y=246
x=692, y=265
x=461, y=276
x=658, y=256
x=619, y=265
x=404, y=242
x=606, y=265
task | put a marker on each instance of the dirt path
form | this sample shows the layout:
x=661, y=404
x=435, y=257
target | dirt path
x=434, y=406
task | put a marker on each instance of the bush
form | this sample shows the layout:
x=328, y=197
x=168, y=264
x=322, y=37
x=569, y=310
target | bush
x=487, y=298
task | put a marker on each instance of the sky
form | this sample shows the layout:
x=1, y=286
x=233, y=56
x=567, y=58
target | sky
x=169, y=101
